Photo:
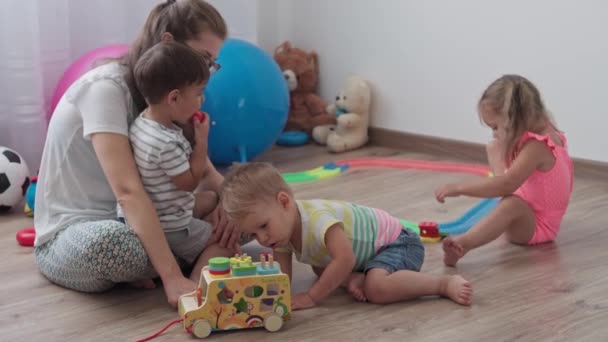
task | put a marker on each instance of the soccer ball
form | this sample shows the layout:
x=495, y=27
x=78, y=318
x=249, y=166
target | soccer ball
x=14, y=178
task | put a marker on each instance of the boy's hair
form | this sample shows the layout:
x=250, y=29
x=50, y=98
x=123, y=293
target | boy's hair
x=517, y=99
x=246, y=185
x=168, y=66
x=184, y=19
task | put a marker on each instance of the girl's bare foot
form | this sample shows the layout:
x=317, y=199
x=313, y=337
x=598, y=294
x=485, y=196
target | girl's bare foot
x=457, y=289
x=147, y=284
x=453, y=251
x=354, y=286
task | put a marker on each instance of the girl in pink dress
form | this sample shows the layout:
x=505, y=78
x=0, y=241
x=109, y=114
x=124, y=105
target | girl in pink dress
x=532, y=168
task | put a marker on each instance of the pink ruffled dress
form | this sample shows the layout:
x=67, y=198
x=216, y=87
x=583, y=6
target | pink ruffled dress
x=548, y=193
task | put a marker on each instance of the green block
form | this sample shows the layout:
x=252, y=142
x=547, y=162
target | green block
x=243, y=270
x=219, y=263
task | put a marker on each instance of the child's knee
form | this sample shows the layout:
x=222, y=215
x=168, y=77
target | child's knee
x=374, y=286
x=206, y=201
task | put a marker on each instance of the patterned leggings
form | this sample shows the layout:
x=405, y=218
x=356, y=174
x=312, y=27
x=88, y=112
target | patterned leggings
x=94, y=256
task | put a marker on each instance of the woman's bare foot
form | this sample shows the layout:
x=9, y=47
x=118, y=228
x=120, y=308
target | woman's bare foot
x=354, y=286
x=453, y=251
x=147, y=284
x=457, y=289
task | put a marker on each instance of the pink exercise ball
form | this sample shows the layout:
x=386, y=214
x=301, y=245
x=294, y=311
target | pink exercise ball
x=83, y=64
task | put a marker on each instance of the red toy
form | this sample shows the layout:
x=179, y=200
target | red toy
x=200, y=116
x=429, y=230
x=26, y=236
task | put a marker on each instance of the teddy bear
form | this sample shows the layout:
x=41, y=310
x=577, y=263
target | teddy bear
x=301, y=70
x=352, y=107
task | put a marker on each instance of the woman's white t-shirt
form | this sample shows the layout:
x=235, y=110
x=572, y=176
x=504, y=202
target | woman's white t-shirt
x=71, y=184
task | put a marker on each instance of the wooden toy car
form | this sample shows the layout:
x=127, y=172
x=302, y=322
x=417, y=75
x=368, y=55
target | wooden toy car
x=237, y=293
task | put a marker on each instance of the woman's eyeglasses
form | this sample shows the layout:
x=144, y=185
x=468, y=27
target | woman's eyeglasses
x=213, y=65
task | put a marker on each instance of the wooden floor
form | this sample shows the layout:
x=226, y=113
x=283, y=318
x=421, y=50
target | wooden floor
x=554, y=292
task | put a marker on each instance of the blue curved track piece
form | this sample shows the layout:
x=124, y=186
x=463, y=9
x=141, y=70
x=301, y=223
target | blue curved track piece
x=467, y=220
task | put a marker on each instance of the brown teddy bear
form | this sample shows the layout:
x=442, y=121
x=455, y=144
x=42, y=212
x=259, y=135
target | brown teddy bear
x=307, y=110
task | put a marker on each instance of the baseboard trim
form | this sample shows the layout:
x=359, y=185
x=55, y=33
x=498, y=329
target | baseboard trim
x=468, y=151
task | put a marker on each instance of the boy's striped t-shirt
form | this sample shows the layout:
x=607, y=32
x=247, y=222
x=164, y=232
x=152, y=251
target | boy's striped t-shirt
x=160, y=154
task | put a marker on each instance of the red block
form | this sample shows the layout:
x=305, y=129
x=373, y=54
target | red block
x=429, y=229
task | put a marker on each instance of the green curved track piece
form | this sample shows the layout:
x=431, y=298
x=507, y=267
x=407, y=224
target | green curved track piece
x=412, y=226
x=310, y=175
x=299, y=177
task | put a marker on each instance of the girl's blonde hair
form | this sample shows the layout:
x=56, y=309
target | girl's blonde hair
x=246, y=185
x=515, y=98
x=184, y=19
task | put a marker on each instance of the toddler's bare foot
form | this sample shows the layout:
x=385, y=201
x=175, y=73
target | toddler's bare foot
x=457, y=289
x=453, y=251
x=354, y=286
x=147, y=284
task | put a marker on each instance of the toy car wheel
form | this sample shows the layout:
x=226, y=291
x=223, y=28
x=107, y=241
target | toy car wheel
x=201, y=328
x=273, y=322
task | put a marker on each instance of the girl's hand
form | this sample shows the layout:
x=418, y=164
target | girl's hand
x=302, y=301
x=177, y=286
x=201, y=127
x=448, y=190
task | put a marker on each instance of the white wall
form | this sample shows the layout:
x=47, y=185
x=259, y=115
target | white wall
x=240, y=15
x=274, y=23
x=429, y=61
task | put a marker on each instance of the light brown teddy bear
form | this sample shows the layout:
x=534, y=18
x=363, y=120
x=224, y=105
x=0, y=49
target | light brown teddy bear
x=307, y=110
x=352, y=109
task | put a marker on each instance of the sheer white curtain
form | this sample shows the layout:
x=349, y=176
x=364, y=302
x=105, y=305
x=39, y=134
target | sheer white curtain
x=39, y=39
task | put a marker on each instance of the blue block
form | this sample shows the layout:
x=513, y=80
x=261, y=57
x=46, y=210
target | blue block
x=268, y=270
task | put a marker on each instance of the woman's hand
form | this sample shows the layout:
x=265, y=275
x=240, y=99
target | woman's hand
x=177, y=286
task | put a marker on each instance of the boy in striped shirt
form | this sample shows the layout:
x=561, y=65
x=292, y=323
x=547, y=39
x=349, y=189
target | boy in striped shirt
x=171, y=77
x=365, y=250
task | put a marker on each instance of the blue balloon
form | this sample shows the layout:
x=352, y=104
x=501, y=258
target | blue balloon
x=247, y=100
